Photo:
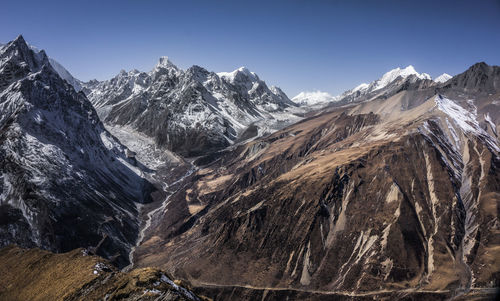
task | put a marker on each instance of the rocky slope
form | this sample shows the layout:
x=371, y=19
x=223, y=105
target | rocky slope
x=31, y=274
x=65, y=181
x=191, y=111
x=397, y=196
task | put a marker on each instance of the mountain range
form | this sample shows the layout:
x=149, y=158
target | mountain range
x=318, y=97
x=194, y=111
x=390, y=190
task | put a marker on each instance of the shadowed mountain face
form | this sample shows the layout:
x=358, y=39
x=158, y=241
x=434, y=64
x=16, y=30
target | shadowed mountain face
x=399, y=193
x=65, y=182
x=191, y=112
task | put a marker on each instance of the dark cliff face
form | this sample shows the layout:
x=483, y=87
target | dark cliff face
x=479, y=78
x=65, y=182
x=395, y=193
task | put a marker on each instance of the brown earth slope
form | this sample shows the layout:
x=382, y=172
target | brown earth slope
x=398, y=194
x=34, y=274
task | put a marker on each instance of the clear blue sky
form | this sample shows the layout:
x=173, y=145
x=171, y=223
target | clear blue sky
x=297, y=45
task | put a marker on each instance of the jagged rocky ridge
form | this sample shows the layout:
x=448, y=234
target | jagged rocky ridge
x=397, y=195
x=191, y=111
x=65, y=181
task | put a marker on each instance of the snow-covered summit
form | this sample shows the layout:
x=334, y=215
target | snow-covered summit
x=361, y=87
x=165, y=62
x=389, y=80
x=313, y=98
x=392, y=75
x=442, y=78
x=242, y=71
x=171, y=105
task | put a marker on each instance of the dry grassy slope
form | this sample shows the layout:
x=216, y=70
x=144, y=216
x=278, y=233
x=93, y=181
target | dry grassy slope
x=34, y=274
x=363, y=198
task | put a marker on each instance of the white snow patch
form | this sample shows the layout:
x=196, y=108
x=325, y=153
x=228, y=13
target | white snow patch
x=443, y=78
x=231, y=76
x=360, y=87
x=313, y=98
x=487, y=118
x=464, y=119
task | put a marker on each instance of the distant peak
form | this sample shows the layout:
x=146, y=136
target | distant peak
x=34, y=58
x=20, y=39
x=362, y=86
x=164, y=62
x=231, y=76
x=20, y=42
x=410, y=68
x=442, y=78
x=481, y=66
x=313, y=98
x=392, y=75
x=243, y=69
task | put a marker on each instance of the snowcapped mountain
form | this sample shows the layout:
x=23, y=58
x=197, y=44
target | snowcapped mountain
x=191, y=111
x=313, y=98
x=390, y=81
x=392, y=75
x=65, y=181
x=443, y=78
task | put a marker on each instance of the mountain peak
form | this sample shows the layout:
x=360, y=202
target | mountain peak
x=360, y=87
x=442, y=78
x=409, y=69
x=20, y=39
x=480, y=67
x=19, y=43
x=392, y=75
x=19, y=53
x=313, y=98
x=480, y=77
x=247, y=72
x=164, y=62
x=231, y=76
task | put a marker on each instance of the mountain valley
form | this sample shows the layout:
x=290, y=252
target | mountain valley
x=390, y=190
